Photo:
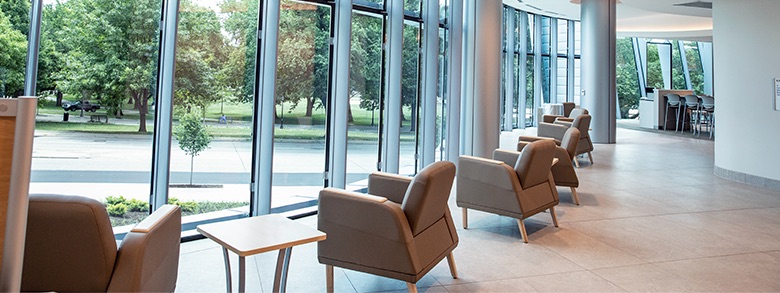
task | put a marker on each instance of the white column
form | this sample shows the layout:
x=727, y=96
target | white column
x=537, y=48
x=598, y=67
x=487, y=73
x=469, y=62
x=570, y=94
x=430, y=81
x=394, y=54
x=265, y=100
x=553, y=66
x=161, y=150
x=337, y=170
x=454, y=80
x=705, y=54
x=665, y=58
x=746, y=137
x=509, y=70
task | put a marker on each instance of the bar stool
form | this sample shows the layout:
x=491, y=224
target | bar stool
x=672, y=101
x=708, y=107
x=691, y=107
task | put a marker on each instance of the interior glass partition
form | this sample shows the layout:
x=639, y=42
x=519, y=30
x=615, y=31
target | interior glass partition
x=14, y=28
x=366, y=98
x=302, y=99
x=96, y=81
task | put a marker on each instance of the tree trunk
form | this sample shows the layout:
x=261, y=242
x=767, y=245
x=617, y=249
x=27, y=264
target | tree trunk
x=144, y=105
x=309, y=106
x=349, y=115
x=59, y=99
x=192, y=161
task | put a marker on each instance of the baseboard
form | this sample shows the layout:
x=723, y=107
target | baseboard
x=749, y=179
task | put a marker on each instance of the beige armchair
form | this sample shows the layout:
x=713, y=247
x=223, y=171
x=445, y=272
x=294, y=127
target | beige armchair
x=557, y=129
x=563, y=171
x=400, y=230
x=70, y=246
x=517, y=185
x=568, y=107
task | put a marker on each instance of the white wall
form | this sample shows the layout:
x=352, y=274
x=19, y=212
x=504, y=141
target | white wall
x=745, y=47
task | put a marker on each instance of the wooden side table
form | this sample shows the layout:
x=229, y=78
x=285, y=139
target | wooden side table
x=250, y=236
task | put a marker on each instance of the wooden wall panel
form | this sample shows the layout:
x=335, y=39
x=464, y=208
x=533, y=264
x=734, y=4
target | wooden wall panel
x=7, y=127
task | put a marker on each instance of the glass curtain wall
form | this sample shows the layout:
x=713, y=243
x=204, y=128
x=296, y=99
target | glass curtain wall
x=14, y=28
x=627, y=78
x=546, y=59
x=410, y=93
x=302, y=97
x=442, y=96
x=678, y=76
x=366, y=97
x=694, y=66
x=530, y=114
x=562, y=66
x=97, y=75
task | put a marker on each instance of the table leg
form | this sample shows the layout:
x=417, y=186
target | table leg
x=241, y=274
x=227, y=270
x=282, y=265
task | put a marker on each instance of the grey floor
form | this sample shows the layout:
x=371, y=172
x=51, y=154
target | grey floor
x=653, y=217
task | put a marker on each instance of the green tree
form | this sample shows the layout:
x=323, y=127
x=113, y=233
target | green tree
x=627, y=78
x=13, y=48
x=17, y=12
x=193, y=137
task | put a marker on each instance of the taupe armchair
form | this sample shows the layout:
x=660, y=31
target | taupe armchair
x=70, y=247
x=563, y=171
x=567, y=109
x=400, y=230
x=557, y=129
x=513, y=184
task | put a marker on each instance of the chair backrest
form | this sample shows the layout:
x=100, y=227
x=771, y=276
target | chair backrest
x=426, y=198
x=569, y=141
x=708, y=102
x=567, y=107
x=691, y=101
x=148, y=259
x=582, y=123
x=70, y=245
x=533, y=165
x=577, y=112
x=673, y=99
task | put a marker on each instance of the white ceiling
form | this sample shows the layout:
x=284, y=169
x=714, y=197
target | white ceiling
x=638, y=18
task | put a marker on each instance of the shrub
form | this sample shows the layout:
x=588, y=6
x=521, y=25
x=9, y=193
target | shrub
x=117, y=210
x=112, y=200
x=136, y=205
x=186, y=206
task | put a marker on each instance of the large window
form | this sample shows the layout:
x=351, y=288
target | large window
x=695, y=69
x=627, y=77
x=365, y=83
x=410, y=102
x=96, y=82
x=302, y=98
x=14, y=26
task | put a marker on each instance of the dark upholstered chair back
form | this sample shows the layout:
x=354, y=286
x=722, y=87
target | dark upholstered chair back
x=426, y=197
x=533, y=165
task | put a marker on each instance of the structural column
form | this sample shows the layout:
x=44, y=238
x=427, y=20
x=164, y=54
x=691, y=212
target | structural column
x=454, y=80
x=483, y=125
x=598, y=67
x=337, y=170
x=391, y=143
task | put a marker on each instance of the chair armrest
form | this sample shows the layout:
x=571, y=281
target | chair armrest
x=487, y=171
x=525, y=140
x=553, y=130
x=550, y=118
x=507, y=157
x=391, y=186
x=365, y=213
x=564, y=119
x=563, y=122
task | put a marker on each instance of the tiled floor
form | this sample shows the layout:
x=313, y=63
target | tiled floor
x=652, y=218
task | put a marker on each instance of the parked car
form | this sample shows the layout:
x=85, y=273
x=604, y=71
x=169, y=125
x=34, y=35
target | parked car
x=78, y=105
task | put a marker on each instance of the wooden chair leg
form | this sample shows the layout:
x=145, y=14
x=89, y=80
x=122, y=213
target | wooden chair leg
x=522, y=230
x=590, y=157
x=576, y=162
x=453, y=269
x=329, y=278
x=554, y=218
x=465, y=218
x=574, y=196
x=412, y=287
